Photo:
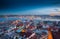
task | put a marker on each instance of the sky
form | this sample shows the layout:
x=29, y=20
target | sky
x=29, y=7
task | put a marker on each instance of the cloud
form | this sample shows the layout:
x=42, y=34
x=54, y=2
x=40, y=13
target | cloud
x=38, y=11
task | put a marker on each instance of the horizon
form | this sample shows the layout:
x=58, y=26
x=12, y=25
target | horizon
x=29, y=7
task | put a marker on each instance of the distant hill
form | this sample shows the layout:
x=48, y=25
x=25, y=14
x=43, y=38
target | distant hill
x=44, y=16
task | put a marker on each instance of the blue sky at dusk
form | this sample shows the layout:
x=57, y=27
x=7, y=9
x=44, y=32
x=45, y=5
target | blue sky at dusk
x=28, y=7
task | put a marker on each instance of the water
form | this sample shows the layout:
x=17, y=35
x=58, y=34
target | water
x=12, y=18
